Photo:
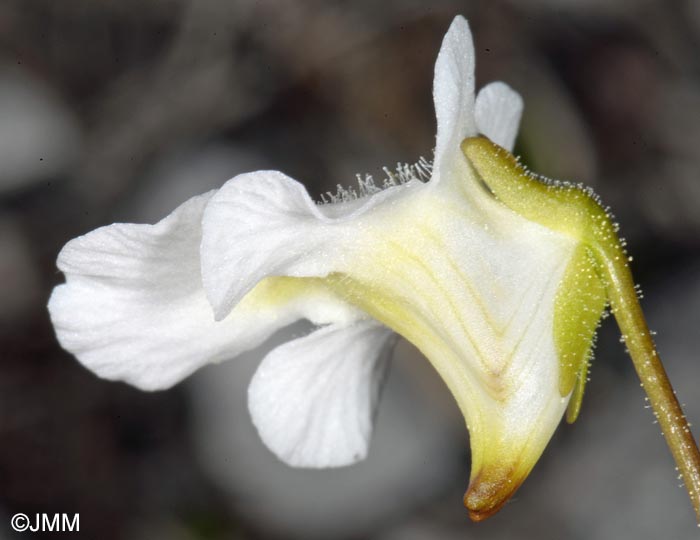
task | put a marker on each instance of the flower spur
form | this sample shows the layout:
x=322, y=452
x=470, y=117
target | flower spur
x=500, y=280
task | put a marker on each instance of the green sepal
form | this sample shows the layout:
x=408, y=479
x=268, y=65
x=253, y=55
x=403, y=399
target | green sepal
x=578, y=308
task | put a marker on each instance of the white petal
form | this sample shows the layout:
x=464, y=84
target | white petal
x=453, y=91
x=312, y=399
x=259, y=224
x=133, y=307
x=498, y=111
x=264, y=223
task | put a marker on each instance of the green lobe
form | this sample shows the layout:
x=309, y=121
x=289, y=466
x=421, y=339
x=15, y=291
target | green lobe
x=578, y=307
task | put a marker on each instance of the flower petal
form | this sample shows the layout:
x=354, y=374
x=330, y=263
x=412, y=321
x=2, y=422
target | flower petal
x=312, y=399
x=453, y=92
x=133, y=307
x=259, y=224
x=264, y=224
x=498, y=110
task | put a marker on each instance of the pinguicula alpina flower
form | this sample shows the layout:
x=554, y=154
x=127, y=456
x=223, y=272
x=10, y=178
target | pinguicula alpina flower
x=498, y=277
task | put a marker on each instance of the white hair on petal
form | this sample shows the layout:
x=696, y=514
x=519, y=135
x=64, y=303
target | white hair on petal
x=403, y=173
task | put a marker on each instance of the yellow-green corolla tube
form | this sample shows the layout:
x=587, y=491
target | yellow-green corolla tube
x=504, y=306
x=599, y=273
x=484, y=293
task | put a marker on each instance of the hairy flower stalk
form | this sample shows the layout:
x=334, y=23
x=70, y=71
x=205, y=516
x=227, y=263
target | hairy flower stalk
x=667, y=409
x=499, y=278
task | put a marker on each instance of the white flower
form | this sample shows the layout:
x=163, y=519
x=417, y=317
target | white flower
x=493, y=275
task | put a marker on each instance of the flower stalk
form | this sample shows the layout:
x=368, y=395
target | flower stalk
x=641, y=347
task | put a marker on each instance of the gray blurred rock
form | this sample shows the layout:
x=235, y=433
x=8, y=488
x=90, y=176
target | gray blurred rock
x=668, y=198
x=19, y=278
x=39, y=136
x=183, y=173
x=669, y=188
x=587, y=7
x=554, y=133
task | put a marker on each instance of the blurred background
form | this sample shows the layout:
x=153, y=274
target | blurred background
x=119, y=110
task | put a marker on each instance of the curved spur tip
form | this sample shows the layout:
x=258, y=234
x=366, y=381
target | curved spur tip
x=487, y=494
